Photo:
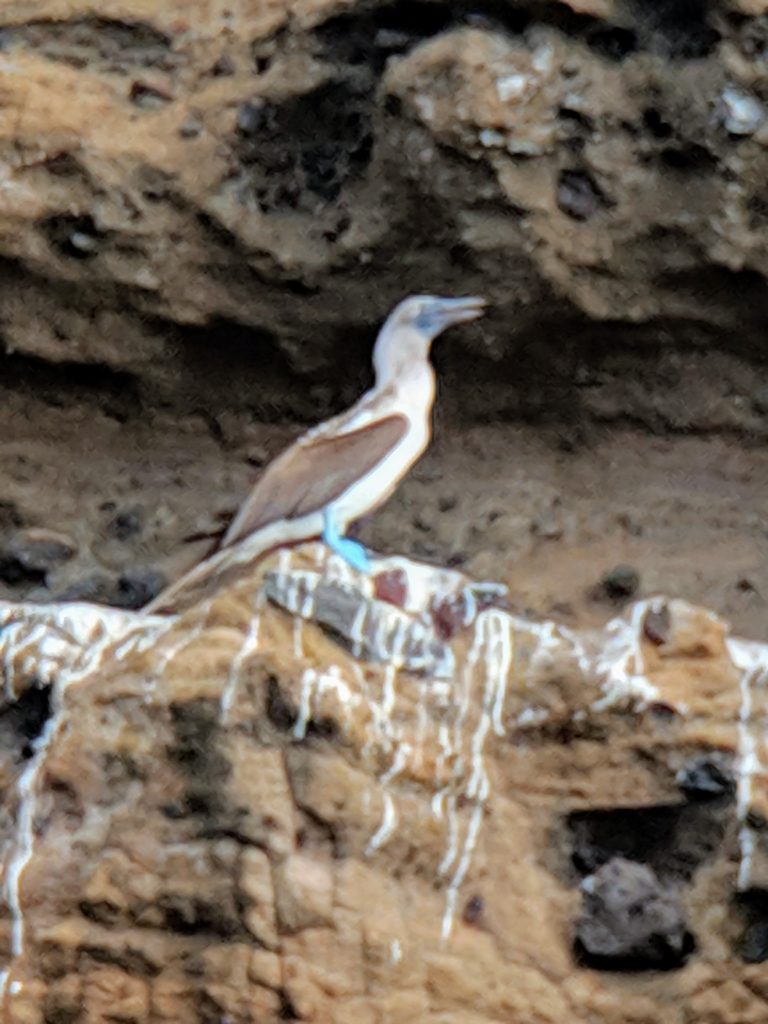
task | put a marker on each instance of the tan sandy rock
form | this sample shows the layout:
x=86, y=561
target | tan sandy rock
x=339, y=839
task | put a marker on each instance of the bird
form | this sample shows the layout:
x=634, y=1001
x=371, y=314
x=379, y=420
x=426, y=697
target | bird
x=346, y=467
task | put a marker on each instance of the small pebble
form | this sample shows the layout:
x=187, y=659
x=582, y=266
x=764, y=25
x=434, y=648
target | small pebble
x=656, y=625
x=191, y=126
x=630, y=917
x=126, y=523
x=150, y=97
x=511, y=87
x=138, y=587
x=619, y=583
x=578, y=195
x=83, y=242
x=548, y=525
x=473, y=909
x=449, y=615
x=391, y=586
x=742, y=114
x=251, y=117
x=224, y=67
x=745, y=585
x=707, y=777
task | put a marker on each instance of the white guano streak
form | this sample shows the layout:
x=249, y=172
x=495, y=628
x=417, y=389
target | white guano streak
x=752, y=662
x=248, y=649
x=26, y=787
x=493, y=637
x=621, y=663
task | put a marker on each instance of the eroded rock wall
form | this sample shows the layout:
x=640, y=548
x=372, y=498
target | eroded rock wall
x=278, y=165
x=430, y=810
x=206, y=209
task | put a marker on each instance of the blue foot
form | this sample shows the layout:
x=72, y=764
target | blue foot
x=354, y=554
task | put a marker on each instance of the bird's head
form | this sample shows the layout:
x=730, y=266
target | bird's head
x=413, y=325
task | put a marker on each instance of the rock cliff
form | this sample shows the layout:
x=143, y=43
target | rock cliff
x=543, y=808
x=325, y=798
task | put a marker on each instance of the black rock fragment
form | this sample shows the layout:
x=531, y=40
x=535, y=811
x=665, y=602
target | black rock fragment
x=631, y=920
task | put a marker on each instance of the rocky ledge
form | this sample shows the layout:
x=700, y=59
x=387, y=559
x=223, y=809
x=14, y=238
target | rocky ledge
x=317, y=796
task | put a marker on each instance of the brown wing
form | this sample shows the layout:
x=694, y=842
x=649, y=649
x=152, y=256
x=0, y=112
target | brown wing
x=314, y=472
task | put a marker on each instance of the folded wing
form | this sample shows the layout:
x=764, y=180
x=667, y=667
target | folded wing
x=314, y=472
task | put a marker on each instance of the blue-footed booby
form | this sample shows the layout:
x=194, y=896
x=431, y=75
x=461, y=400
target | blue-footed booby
x=348, y=466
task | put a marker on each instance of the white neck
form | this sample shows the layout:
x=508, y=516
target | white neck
x=401, y=358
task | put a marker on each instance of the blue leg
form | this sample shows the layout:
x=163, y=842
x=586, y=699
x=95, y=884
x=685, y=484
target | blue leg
x=354, y=554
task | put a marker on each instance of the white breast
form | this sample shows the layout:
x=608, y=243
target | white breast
x=372, y=490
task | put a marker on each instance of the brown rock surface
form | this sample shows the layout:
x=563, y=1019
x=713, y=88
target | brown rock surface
x=221, y=815
x=260, y=164
x=205, y=210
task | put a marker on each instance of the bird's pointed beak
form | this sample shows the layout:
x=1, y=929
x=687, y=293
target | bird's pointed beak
x=458, y=311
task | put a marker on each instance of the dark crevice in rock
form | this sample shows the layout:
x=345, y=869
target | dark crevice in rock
x=62, y=384
x=131, y=589
x=102, y=912
x=579, y=196
x=66, y=165
x=688, y=157
x=61, y=1010
x=633, y=865
x=716, y=285
x=132, y=961
x=613, y=41
x=369, y=38
x=674, y=28
x=287, y=1010
x=118, y=44
x=655, y=123
x=305, y=149
x=148, y=97
x=673, y=840
x=707, y=776
x=13, y=572
x=563, y=373
x=196, y=729
x=75, y=236
x=757, y=205
x=561, y=368
x=308, y=146
x=316, y=831
x=189, y=915
x=753, y=943
x=233, y=262
x=228, y=365
x=280, y=712
x=283, y=716
x=25, y=719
